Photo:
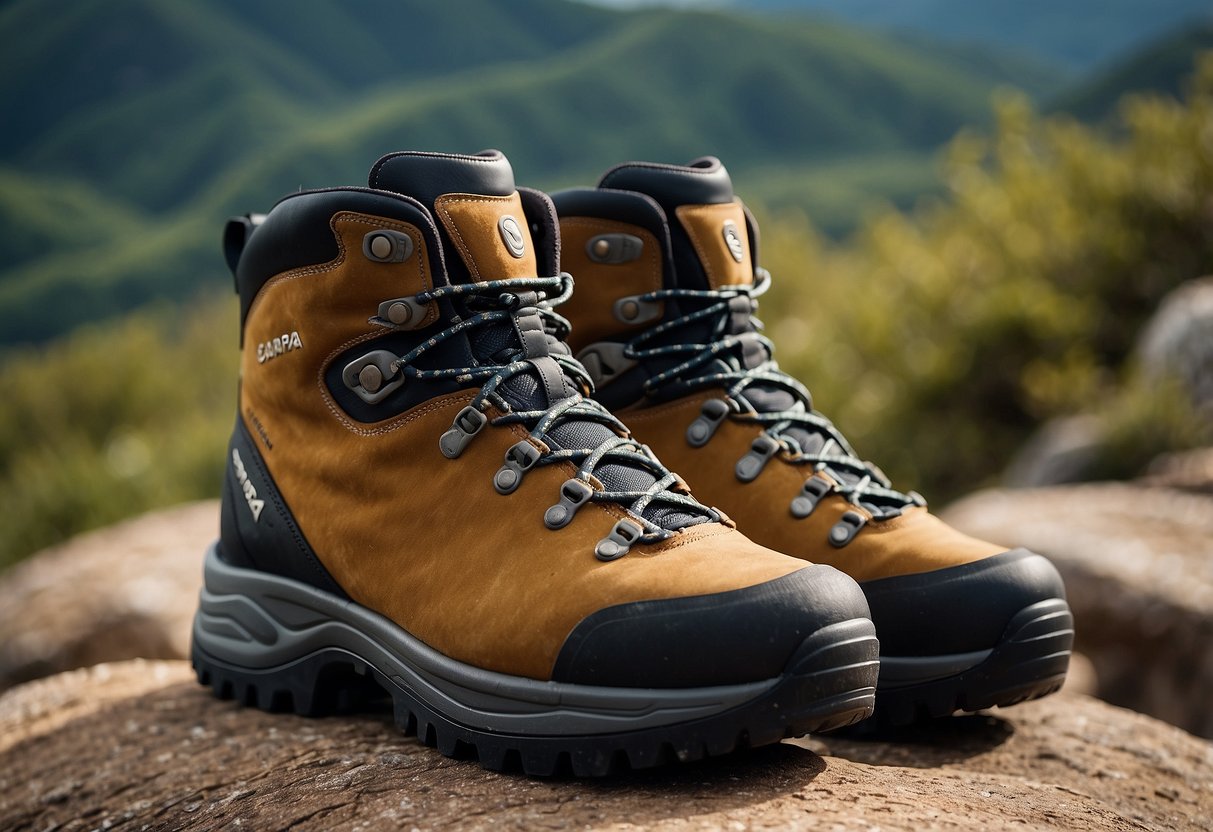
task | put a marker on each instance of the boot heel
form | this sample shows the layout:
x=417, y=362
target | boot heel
x=244, y=651
x=325, y=683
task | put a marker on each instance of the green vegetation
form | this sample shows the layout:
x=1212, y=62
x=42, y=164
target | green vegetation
x=113, y=420
x=937, y=340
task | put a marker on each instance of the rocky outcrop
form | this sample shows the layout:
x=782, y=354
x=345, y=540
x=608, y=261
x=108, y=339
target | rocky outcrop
x=1062, y=450
x=126, y=591
x=1178, y=341
x=140, y=745
x=1173, y=355
x=1138, y=564
x=1185, y=470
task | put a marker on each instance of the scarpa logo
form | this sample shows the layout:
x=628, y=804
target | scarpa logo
x=277, y=346
x=250, y=491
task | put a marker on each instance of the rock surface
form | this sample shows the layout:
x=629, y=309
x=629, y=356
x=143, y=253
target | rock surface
x=1062, y=450
x=1178, y=341
x=140, y=745
x=127, y=591
x=1185, y=470
x=130, y=590
x=1138, y=565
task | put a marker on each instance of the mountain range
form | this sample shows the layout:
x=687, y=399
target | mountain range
x=133, y=127
x=1075, y=35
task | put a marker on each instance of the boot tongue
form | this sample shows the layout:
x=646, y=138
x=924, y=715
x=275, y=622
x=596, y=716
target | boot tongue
x=711, y=250
x=480, y=215
x=476, y=204
x=711, y=244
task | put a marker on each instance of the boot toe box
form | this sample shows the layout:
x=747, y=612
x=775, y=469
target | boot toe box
x=960, y=608
x=734, y=637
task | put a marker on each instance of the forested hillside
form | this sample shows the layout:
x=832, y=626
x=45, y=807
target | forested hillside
x=137, y=125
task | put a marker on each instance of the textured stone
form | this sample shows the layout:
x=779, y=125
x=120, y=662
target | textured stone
x=126, y=591
x=1138, y=565
x=1186, y=470
x=1060, y=451
x=1177, y=343
x=137, y=745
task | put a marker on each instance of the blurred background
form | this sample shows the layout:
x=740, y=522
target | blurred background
x=971, y=210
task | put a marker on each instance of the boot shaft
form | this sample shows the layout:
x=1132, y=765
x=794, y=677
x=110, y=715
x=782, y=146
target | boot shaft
x=640, y=246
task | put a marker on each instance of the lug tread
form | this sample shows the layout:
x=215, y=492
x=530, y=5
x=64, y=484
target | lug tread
x=333, y=681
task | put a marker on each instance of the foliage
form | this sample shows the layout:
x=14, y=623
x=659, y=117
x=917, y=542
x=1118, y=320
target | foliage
x=939, y=340
x=114, y=420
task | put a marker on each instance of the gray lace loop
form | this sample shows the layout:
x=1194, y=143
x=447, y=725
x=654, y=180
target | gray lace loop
x=720, y=360
x=501, y=301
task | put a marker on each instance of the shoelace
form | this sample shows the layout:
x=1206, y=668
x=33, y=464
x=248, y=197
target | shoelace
x=501, y=301
x=861, y=483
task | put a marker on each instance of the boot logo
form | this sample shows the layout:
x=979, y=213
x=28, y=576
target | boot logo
x=277, y=346
x=250, y=491
x=732, y=239
x=511, y=235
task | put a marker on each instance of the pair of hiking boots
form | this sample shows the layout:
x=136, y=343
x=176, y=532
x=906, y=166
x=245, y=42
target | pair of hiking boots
x=431, y=492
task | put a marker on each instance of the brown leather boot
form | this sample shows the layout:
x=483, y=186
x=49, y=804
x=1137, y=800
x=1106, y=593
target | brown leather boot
x=421, y=502
x=665, y=260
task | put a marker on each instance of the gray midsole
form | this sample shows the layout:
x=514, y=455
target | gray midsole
x=260, y=622
x=898, y=671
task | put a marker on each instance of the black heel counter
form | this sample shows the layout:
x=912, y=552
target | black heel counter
x=256, y=528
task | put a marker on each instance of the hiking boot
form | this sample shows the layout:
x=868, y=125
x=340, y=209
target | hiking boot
x=665, y=260
x=421, y=502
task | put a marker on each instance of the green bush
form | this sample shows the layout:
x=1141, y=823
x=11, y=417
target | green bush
x=113, y=420
x=939, y=340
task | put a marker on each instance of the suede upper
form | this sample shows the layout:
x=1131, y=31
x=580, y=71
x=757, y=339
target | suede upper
x=424, y=539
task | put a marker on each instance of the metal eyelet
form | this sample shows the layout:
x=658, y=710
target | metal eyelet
x=467, y=424
x=616, y=544
x=613, y=249
x=633, y=309
x=520, y=458
x=401, y=313
x=573, y=495
x=704, y=427
x=605, y=361
x=383, y=245
x=810, y=495
x=844, y=531
x=373, y=376
x=761, y=450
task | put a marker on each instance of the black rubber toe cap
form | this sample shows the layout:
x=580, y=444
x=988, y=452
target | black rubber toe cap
x=744, y=635
x=959, y=609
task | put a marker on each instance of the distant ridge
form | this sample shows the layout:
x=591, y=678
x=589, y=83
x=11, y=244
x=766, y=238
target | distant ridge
x=1162, y=67
x=1073, y=34
x=133, y=127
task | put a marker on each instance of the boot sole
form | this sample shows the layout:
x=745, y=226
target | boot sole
x=1029, y=661
x=280, y=645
